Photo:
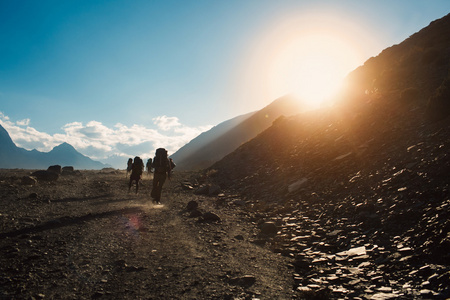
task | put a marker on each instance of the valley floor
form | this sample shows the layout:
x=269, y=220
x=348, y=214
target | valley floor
x=85, y=236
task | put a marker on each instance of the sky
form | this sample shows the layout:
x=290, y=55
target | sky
x=117, y=78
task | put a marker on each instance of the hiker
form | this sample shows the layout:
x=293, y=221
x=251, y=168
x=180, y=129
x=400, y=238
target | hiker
x=149, y=166
x=163, y=169
x=136, y=172
x=129, y=166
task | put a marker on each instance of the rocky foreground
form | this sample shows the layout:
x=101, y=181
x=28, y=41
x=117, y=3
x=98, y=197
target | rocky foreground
x=83, y=236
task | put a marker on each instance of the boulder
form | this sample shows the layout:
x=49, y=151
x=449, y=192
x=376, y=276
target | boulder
x=192, y=205
x=203, y=190
x=269, y=229
x=55, y=169
x=244, y=281
x=213, y=190
x=195, y=213
x=209, y=217
x=45, y=175
x=28, y=180
x=187, y=186
x=68, y=168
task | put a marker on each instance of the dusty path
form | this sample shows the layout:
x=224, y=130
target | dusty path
x=86, y=237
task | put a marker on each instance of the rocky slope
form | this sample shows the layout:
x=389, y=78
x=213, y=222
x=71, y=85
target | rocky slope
x=359, y=190
x=362, y=202
x=224, y=138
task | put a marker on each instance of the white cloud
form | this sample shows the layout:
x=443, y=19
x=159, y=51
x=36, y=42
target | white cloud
x=103, y=143
x=166, y=123
x=3, y=117
x=24, y=122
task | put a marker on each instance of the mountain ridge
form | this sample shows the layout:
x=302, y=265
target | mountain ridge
x=222, y=139
x=13, y=157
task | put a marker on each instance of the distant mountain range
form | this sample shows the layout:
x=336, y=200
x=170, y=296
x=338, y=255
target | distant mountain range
x=224, y=138
x=13, y=157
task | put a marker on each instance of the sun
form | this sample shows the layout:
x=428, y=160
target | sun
x=307, y=54
x=312, y=66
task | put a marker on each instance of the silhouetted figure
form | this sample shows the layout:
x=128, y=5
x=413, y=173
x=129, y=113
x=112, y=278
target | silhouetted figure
x=163, y=169
x=149, y=166
x=129, y=166
x=136, y=171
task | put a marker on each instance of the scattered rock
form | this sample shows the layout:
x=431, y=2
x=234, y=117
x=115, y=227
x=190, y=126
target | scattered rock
x=45, y=175
x=187, y=186
x=68, y=170
x=213, y=190
x=269, y=229
x=239, y=237
x=192, y=205
x=209, y=217
x=55, y=169
x=244, y=281
x=202, y=190
x=28, y=180
x=195, y=213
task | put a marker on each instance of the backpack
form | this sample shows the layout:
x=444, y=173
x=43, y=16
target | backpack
x=161, y=162
x=138, y=165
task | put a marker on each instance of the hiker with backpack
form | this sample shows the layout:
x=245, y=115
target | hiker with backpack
x=136, y=172
x=162, y=169
x=129, y=166
x=149, y=166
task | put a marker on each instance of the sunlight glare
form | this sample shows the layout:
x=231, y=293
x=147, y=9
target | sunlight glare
x=313, y=66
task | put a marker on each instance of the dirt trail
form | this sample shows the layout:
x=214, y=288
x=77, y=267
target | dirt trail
x=86, y=237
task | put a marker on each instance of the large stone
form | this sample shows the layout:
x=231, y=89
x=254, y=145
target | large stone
x=55, y=169
x=214, y=190
x=244, y=281
x=45, y=175
x=195, y=213
x=209, y=217
x=192, y=205
x=28, y=180
x=68, y=170
x=187, y=186
x=203, y=190
x=269, y=229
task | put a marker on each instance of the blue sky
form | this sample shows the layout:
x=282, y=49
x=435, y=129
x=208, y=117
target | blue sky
x=125, y=77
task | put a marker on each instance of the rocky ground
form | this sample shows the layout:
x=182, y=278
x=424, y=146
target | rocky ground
x=361, y=200
x=84, y=236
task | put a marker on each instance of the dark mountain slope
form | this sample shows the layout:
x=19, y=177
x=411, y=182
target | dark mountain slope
x=411, y=71
x=184, y=153
x=213, y=145
x=12, y=157
x=370, y=174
